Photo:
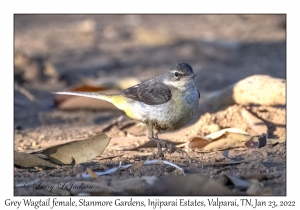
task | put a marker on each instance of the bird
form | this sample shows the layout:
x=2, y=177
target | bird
x=164, y=103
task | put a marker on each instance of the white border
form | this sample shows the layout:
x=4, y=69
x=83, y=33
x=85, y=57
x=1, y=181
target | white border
x=54, y=6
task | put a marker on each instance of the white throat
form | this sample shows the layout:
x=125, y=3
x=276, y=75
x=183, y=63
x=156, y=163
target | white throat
x=181, y=85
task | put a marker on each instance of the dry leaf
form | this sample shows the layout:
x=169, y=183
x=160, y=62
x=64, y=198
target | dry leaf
x=27, y=160
x=221, y=141
x=198, y=142
x=220, y=133
x=227, y=139
x=79, y=150
x=92, y=174
x=275, y=141
x=148, y=144
x=256, y=142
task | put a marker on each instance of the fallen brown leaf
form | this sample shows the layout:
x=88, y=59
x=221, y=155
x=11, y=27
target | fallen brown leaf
x=27, y=160
x=92, y=174
x=275, y=141
x=256, y=142
x=79, y=150
x=198, y=142
x=228, y=139
x=220, y=133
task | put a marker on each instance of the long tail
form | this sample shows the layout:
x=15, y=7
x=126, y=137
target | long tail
x=96, y=95
x=119, y=101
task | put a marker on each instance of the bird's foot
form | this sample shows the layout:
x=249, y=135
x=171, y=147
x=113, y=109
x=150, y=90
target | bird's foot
x=170, y=147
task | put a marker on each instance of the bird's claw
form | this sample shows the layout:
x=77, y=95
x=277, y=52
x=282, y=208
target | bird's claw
x=170, y=147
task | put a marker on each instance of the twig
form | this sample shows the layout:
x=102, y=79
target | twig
x=25, y=92
x=147, y=162
x=109, y=171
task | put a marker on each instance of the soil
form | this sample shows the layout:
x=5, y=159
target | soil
x=222, y=49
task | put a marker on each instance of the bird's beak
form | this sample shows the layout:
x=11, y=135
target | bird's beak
x=193, y=76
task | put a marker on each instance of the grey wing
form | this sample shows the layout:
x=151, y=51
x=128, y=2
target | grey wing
x=151, y=94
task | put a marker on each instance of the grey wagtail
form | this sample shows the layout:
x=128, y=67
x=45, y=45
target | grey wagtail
x=165, y=103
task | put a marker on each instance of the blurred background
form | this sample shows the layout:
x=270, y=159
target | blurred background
x=222, y=49
x=57, y=52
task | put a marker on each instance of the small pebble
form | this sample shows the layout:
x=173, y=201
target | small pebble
x=78, y=169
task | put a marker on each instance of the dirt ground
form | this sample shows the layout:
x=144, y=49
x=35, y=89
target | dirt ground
x=222, y=49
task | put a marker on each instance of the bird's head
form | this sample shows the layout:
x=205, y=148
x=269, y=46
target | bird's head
x=180, y=75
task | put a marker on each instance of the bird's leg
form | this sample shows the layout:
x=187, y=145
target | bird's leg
x=153, y=137
x=170, y=147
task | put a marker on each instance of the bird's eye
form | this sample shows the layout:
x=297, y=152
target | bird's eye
x=176, y=74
